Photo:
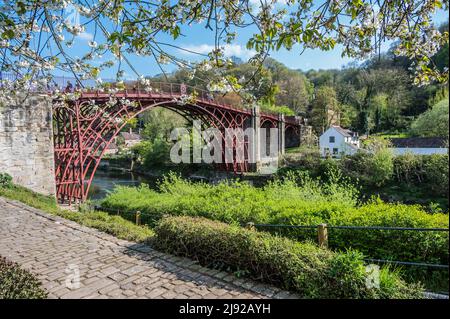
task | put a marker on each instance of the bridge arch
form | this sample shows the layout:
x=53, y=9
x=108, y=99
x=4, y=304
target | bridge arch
x=85, y=126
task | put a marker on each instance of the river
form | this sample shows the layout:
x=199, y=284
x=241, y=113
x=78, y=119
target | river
x=105, y=180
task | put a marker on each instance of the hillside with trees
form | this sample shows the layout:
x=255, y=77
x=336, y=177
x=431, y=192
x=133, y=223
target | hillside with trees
x=377, y=96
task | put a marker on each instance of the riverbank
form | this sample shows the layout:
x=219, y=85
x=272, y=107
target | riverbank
x=112, y=173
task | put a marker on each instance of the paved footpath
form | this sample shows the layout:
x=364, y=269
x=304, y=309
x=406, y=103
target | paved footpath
x=56, y=249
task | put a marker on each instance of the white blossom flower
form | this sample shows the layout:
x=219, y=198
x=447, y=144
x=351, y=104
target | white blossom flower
x=4, y=44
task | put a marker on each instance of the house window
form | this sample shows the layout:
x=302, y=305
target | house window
x=332, y=139
x=326, y=151
x=335, y=151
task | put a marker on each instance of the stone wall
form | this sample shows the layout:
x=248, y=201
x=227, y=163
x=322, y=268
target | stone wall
x=26, y=142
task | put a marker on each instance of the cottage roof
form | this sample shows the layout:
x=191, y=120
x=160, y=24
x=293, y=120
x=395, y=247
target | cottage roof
x=130, y=136
x=343, y=131
x=418, y=142
x=112, y=146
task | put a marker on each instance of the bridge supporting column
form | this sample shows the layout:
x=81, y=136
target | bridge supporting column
x=256, y=147
x=281, y=134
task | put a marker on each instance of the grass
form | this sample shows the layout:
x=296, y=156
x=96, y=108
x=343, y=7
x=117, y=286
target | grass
x=280, y=202
x=111, y=224
x=299, y=200
x=288, y=203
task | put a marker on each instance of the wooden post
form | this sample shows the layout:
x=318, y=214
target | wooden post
x=322, y=232
x=138, y=218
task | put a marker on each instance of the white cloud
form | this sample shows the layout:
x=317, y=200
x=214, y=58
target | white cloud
x=258, y=2
x=228, y=49
x=86, y=36
x=263, y=1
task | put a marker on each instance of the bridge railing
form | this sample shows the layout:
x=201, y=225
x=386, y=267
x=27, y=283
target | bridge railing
x=68, y=84
x=181, y=89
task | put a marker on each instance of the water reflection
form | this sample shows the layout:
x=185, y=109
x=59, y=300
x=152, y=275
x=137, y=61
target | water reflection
x=105, y=180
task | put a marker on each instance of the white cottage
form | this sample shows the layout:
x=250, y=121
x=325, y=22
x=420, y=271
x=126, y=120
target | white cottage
x=338, y=141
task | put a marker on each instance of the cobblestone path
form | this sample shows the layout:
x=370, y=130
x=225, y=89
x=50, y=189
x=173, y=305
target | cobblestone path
x=56, y=250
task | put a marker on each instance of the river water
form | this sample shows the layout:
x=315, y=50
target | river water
x=105, y=180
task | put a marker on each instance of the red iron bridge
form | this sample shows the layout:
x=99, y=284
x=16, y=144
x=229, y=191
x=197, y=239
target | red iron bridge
x=86, y=125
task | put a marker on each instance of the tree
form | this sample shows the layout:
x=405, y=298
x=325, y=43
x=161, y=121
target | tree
x=348, y=116
x=433, y=122
x=294, y=91
x=441, y=57
x=36, y=36
x=379, y=95
x=324, y=109
x=159, y=122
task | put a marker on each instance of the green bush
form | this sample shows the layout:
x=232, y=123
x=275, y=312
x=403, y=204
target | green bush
x=427, y=171
x=5, y=180
x=229, y=201
x=436, y=173
x=395, y=245
x=371, y=169
x=433, y=122
x=295, y=200
x=152, y=153
x=16, y=283
x=408, y=169
x=304, y=268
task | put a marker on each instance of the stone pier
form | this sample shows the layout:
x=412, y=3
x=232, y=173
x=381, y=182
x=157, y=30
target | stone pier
x=26, y=142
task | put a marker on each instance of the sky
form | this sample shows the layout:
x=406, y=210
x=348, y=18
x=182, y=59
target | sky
x=197, y=38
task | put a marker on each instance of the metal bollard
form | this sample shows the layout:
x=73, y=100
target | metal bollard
x=138, y=218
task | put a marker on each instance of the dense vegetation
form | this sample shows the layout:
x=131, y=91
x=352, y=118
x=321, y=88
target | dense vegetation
x=376, y=97
x=433, y=122
x=284, y=201
x=406, y=178
x=310, y=271
x=295, y=200
x=17, y=283
x=302, y=267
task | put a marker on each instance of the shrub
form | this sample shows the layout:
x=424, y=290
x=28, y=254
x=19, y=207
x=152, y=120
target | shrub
x=152, y=153
x=381, y=167
x=295, y=200
x=308, y=160
x=427, y=171
x=16, y=283
x=371, y=169
x=5, y=180
x=433, y=122
x=408, y=169
x=304, y=268
x=231, y=202
x=436, y=173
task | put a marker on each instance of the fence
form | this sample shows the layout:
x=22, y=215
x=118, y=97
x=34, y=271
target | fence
x=322, y=238
x=322, y=234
